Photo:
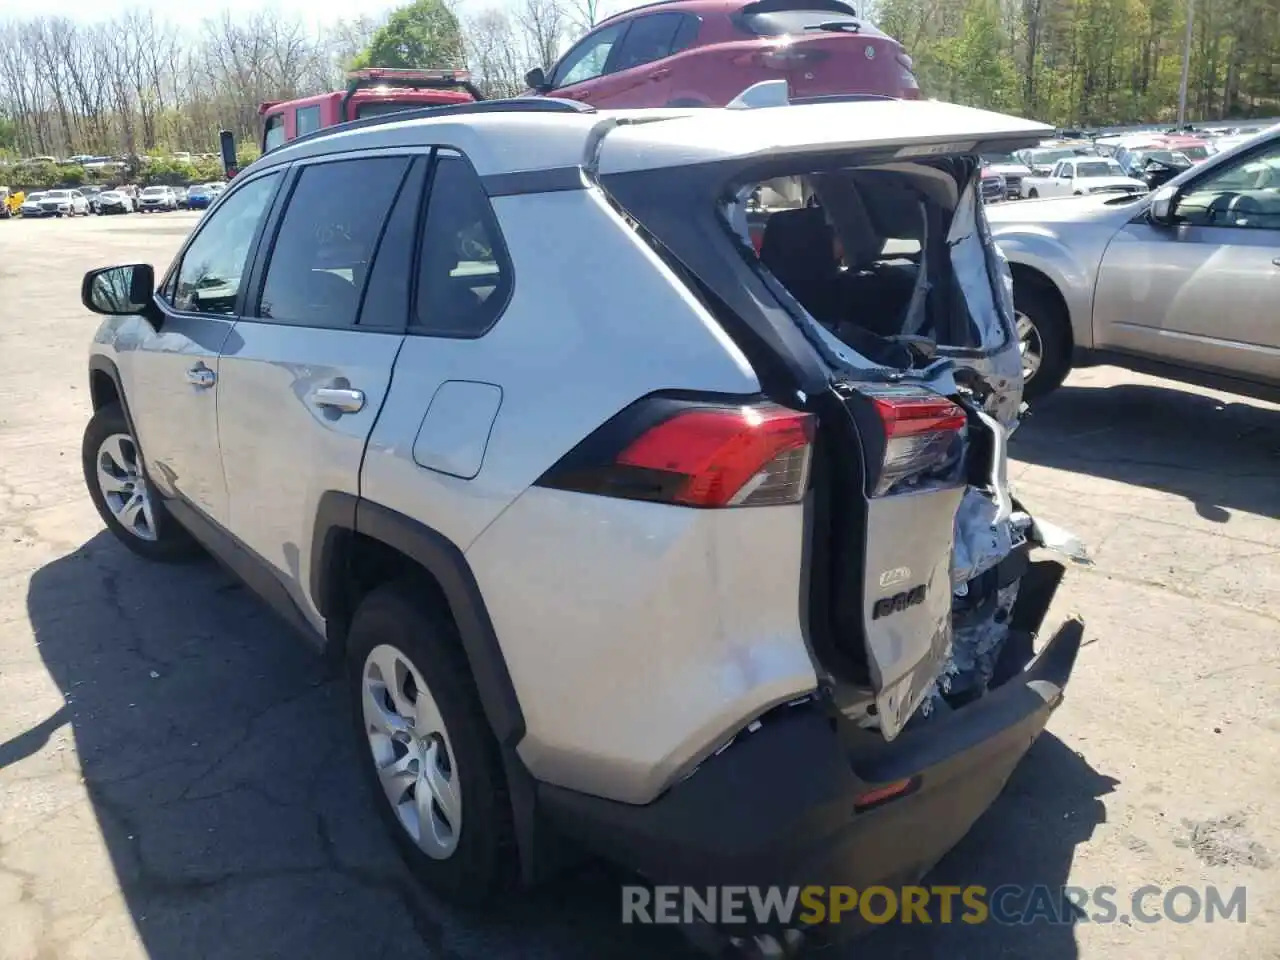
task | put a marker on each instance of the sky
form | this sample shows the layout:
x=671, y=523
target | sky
x=313, y=11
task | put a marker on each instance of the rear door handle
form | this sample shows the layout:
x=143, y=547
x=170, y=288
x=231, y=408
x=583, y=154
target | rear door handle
x=1276, y=261
x=342, y=399
x=659, y=74
x=201, y=376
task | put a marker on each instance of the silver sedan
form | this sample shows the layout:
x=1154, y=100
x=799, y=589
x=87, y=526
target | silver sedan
x=1183, y=282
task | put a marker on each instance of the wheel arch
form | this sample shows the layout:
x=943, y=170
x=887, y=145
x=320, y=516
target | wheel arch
x=105, y=387
x=1031, y=277
x=350, y=530
x=343, y=523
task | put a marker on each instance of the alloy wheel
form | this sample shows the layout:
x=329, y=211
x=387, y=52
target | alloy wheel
x=1030, y=346
x=411, y=750
x=124, y=488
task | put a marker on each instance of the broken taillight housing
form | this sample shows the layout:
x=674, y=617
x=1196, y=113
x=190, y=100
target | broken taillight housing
x=923, y=434
x=695, y=455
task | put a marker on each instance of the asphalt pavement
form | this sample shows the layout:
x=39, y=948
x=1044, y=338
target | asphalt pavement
x=177, y=779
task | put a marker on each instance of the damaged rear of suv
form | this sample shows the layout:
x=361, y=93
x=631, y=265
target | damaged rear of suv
x=648, y=469
x=848, y=256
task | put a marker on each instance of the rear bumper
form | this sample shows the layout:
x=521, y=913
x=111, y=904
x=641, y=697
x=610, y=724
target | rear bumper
x=779, y=807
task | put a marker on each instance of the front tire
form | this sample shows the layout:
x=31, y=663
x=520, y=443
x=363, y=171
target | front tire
x=427, y=751
x=1033, y=194
x=122, y=493
x=1044, y=339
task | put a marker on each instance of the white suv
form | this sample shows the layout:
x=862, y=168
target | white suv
x=153, y=199
x=629, y=535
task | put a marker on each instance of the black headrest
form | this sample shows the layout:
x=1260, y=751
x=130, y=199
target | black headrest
x=798, y=243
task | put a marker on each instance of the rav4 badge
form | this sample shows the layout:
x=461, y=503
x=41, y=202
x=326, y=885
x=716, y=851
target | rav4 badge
x=895, y=576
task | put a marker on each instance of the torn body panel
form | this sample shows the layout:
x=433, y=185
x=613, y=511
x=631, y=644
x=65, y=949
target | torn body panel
x=874, y=296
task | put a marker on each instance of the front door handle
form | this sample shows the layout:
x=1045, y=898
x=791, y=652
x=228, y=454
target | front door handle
x=660, y=74
x=1276, y=261
x=201, y=376
x=342, y=399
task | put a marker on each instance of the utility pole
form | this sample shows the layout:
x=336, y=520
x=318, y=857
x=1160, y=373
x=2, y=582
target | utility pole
x=1186, y=66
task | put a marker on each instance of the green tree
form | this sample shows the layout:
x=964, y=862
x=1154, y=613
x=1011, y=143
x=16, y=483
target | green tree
x=423, y=34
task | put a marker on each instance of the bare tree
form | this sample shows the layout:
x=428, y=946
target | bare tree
x=545, y=25
x=496, y=54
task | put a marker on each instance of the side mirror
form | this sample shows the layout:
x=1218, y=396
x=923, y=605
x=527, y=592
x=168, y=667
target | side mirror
x=119, y=291
x=1164, y=207
x=537, y=80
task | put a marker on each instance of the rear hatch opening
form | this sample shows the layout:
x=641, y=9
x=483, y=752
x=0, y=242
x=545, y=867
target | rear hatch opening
x=887, y=270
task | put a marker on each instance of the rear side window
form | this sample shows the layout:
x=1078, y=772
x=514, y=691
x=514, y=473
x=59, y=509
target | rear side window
x=307, y=120
x=687, y=34
x=772, y=19
x=650, y=38
x=326, y=241
x=464, y=276
x=273, y=136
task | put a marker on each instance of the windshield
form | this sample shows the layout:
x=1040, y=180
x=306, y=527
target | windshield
x=1196, y=152
x=1045, y=158
x=999, y=158
x=1174, y=157
x=58, y=195
x=1099, y=168
x=32, y=197
x=153, y=191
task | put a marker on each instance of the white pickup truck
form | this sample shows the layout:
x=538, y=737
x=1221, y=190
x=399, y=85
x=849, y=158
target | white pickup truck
x=1080, y=175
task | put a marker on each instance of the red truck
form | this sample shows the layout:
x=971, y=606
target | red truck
x=371, y=92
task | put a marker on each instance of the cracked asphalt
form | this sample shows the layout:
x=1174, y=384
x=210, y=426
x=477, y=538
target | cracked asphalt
x=177, y=780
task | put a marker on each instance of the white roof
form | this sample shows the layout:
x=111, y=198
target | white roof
x=499, y=143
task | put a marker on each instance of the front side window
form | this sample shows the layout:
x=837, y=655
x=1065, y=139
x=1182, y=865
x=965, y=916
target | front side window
x=1244, y=193
x=587, y=60
x=273, y=134
x=464, y=276
x=326, y=240
x=214, y=264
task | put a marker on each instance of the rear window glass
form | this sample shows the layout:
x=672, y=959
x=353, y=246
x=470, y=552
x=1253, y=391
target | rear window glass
x=889, y=260
x=777, y=23
x=387, y=107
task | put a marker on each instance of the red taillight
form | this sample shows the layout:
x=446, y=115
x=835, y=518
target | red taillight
x=921, y=430
x=721, y=457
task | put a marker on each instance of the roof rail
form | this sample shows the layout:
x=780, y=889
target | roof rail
x=841, y=98
x=508, y=105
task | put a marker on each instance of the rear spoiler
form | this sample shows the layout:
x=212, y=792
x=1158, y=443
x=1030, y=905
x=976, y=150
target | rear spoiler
x=773, y=93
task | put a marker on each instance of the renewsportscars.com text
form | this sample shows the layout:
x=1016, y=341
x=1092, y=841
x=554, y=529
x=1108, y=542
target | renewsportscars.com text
x=1009, y=905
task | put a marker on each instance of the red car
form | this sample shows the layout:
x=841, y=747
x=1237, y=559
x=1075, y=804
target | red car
x=706, y=52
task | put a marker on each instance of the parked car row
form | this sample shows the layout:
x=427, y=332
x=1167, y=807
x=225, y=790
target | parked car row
x=1076, y=165
x=78, y=202
x=1180, y=280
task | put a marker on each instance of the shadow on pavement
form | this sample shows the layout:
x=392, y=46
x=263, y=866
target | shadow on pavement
x=216, y=750
x=1222, y=456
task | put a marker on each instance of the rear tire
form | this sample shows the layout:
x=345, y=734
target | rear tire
x=1049, y=337
x=466, y=852
x=123, y=495
x=1033, y=194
